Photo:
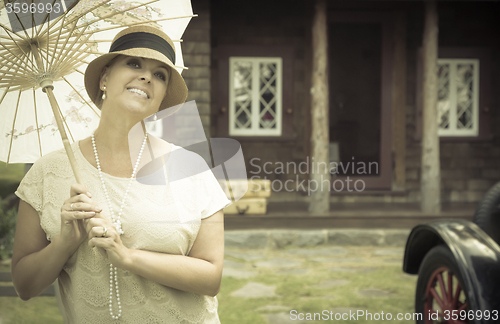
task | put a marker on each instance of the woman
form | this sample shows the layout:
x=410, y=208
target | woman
x=123, y=250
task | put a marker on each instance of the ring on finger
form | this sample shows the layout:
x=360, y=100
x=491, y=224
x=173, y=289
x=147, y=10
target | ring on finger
x=105, y=231
x=71, y=206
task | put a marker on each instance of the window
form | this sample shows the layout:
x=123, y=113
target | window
x=464, y=94
x=255, y=96
x=458, y=97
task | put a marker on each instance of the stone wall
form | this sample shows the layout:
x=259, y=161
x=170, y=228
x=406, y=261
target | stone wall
x=280, y=239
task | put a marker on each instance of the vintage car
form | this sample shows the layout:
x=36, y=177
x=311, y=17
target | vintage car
x=458, y=266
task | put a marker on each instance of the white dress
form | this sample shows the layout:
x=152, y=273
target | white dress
x=160, y=218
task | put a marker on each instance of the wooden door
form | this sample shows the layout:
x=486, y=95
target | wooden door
x=360, y=81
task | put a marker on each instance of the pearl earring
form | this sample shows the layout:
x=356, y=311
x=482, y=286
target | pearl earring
x=155, y=118
x=103, y=93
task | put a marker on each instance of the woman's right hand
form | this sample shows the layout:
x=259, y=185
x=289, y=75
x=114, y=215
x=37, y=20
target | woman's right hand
x=73, y=213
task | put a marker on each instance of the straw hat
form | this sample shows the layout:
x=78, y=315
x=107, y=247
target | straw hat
x=140, y=41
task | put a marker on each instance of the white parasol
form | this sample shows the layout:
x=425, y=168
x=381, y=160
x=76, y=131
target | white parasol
x=42, y=68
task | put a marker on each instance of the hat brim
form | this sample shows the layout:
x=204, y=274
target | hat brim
x=176, y=90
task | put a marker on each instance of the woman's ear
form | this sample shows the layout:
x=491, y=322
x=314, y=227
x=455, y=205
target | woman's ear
x=104, y=77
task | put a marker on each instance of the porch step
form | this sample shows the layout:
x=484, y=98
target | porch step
x=295, y=215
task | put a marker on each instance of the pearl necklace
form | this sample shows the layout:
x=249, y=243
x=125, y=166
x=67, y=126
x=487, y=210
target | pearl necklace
x=113, y=271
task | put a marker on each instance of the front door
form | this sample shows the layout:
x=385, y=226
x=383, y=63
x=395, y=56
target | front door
x=360, y=101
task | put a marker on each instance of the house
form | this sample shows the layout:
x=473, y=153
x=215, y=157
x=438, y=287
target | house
x=250, y=66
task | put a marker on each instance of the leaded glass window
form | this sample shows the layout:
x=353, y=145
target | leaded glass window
x=458, y=97
x=255, y=96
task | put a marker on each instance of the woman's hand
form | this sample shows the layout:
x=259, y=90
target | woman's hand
x=74, y=210
x=103, y=235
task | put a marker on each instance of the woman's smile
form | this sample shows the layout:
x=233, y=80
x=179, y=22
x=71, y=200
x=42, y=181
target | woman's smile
x=139, y=92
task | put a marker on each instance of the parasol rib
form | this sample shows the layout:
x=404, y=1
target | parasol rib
x=13, y=32
x=17, y=45
x=70, y=52
x=36, y=121
x=5, y=37
x=77, y=17
x=13, y=125
x=4, y=94
x=57, y=42
x=21, y=80
x=48, y=38
x=18, y=81
x=77, y=37
x=81, y=97
x=44, y=19
x=72, y=60
x=116, y=13
x=14, y=59
x=147, y=22
x=22, y=25
x=9, y=72
x=82, y=73
x=18, y=88
x=16, y=56
x=70, y=64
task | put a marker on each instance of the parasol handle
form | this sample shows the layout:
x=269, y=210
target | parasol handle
x=60, y=126
x=47, y=87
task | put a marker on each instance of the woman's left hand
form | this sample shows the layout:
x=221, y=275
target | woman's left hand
x=103, y=235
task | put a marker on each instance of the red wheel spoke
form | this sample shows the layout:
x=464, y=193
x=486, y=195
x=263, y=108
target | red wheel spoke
x=443, y=290
x=449, y=298
x=437, y=298
x=449, y=292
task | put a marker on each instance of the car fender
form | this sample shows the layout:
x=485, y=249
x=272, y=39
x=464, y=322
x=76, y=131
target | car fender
x=476, y=254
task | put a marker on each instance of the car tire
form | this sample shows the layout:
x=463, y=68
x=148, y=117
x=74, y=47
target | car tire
x=487, y=215
x=437, y=268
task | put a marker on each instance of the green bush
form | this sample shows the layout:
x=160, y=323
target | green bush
x=8, y=186
x=8, y=220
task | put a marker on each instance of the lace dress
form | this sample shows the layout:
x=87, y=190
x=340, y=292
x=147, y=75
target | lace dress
x=156, y=218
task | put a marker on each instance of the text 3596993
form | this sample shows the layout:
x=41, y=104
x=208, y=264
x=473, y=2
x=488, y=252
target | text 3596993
x=35, y=7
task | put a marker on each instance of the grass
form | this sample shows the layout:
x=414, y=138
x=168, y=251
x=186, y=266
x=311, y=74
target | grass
x=295, y=292
x=299, y=292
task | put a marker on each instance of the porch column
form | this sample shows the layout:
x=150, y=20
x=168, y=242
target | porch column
x=399, y=104
x=320, y=198
x=430, y=185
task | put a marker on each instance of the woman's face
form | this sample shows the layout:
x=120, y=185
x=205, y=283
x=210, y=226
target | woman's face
x=139, y=85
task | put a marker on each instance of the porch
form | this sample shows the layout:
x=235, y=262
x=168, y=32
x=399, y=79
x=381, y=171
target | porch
x=290, y=210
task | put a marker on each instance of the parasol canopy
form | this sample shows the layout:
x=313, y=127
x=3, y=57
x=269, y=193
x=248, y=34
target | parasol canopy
x=43, y=64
